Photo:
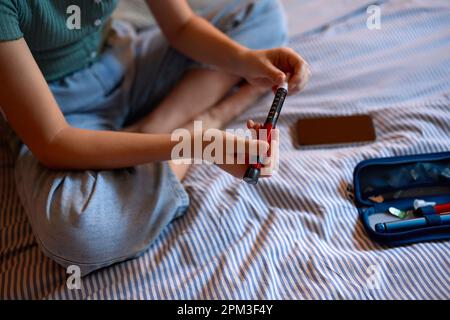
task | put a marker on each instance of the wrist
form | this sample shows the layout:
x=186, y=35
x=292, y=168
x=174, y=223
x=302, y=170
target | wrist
x=240, y=62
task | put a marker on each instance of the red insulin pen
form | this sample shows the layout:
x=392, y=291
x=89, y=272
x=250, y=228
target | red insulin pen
x=251, y=176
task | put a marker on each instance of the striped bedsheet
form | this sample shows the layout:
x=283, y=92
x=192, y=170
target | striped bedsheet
x=296, y=235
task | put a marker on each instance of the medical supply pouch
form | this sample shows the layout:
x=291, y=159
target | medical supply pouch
x=404, y=199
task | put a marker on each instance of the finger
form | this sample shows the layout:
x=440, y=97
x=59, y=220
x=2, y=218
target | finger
x=253, y=130
x=294, y=82
x=296, y=75
x=266, y=161
x=288, y=79
x=305, y=78
x=256, y=126
x=298, y=82
x=261, y=82
x=295, y=63
x=266, y=170
x=273, y=73
x=275, y=158
x=250, y=147
x=271, y=163
x=275, y=134
x=257, y=147
x=294, y=91
x=253, y=127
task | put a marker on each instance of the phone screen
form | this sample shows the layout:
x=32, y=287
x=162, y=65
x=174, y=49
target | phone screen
x=335, y=130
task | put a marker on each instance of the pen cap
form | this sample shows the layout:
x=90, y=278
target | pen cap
x=380, y=227
x=252, y=175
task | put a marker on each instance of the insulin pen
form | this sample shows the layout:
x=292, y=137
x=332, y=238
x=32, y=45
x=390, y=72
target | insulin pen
x=396, y=226
x=417, y=223
x=251, y=176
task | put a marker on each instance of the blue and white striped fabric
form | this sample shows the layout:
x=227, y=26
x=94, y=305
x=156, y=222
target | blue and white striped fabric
x=296, y=235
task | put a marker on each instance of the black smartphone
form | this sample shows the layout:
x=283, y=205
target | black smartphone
x=335, y=130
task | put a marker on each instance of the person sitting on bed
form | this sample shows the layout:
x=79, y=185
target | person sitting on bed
x=94, y=102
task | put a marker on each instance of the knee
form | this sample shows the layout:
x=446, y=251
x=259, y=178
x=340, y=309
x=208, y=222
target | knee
x=92, y=219
x=275, y=18
x=264, y=25
x=84, y=226
x=90, y=240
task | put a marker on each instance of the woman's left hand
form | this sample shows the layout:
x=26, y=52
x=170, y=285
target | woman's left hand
x=268, y=68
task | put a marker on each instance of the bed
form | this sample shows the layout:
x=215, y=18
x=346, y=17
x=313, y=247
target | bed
x=296, y=235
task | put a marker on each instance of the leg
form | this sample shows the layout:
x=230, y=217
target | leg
x=96, y=218
x=166, y=116
x=256, y=24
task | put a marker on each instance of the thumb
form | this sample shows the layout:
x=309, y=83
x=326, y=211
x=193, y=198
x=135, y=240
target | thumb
x=273, y=73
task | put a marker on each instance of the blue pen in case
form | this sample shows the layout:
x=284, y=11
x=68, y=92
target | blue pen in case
x=408, y=224
x=385, y=183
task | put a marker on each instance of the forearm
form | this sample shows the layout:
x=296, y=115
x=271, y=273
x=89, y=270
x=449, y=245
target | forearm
x=78, y=149
x=201, y=41
x=196, y=37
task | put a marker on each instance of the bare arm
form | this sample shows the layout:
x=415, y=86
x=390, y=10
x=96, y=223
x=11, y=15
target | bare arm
x=194, y=36
x=200, y=40
x=33, y=113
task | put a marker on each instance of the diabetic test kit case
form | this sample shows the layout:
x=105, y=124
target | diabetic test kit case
x=404, y=199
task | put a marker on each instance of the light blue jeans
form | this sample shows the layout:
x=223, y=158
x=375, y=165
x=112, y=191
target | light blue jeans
x=96, y=218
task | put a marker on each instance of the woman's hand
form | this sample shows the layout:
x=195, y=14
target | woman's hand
x=253, y=148
x=271, y=158
x=268, y=68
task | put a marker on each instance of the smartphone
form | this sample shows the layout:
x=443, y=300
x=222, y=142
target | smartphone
x=335, y=130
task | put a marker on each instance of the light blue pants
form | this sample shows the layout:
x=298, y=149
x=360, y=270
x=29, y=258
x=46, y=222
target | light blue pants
x=93, y=219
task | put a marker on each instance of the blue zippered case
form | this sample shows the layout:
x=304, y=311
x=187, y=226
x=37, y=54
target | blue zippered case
x=383, y=183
